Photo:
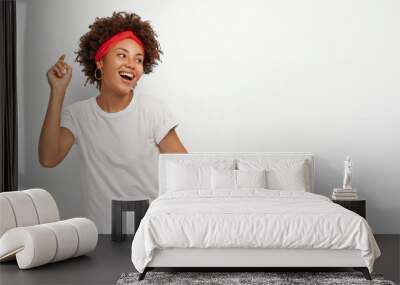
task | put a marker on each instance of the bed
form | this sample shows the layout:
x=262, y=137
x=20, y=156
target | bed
x=246, y=210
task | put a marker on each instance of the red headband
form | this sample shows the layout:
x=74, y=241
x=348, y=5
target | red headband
x=105, y=47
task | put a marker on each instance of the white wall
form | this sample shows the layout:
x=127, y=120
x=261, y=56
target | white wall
x=320, y=76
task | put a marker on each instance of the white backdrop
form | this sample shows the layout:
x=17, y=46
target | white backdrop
x=320, y=76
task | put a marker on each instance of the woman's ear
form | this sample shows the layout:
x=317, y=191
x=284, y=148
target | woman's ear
x=99, y=64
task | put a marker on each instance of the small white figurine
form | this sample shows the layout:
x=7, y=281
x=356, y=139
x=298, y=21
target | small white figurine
x=347, y=173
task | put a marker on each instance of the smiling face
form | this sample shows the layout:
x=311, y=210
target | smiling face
x=121, y=67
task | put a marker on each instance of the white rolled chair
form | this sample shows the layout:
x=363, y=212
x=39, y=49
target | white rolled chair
x=31, y=231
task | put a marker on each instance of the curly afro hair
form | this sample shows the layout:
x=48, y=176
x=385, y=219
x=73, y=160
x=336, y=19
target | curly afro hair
x=104, y=28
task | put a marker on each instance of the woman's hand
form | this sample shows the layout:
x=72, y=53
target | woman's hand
x=59, y=75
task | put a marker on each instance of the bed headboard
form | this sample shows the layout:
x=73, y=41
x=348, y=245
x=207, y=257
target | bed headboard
x=164, y=159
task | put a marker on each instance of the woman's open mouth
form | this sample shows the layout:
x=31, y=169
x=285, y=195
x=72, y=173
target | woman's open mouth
x=127, y=77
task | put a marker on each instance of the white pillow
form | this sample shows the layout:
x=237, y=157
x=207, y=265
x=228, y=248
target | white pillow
x=187, y=177
x=251, y=178
x=223, y=179
x=236, y=179
x=282, y=174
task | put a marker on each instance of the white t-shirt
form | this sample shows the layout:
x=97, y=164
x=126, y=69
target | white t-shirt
x=118, y=150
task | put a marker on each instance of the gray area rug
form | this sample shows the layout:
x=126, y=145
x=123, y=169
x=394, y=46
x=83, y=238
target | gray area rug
x=270, y=278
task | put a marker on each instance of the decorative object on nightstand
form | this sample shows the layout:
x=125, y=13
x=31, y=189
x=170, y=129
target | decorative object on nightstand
x=348, y=165
x=357, y=206
x=119, y=207
x=346, y=192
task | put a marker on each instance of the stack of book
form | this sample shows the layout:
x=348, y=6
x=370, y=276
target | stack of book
x=344, y=194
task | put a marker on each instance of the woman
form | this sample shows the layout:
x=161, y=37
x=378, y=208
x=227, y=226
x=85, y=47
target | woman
x=119, y=133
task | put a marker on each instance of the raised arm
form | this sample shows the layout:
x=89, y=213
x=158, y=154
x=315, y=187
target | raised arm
x=55, y=141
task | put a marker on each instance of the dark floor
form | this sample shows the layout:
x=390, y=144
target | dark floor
x=110, y=260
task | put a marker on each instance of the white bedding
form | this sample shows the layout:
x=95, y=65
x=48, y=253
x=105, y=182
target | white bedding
x=250, y=218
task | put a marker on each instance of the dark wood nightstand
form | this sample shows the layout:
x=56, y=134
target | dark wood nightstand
x=118, y=208
x=357, y=206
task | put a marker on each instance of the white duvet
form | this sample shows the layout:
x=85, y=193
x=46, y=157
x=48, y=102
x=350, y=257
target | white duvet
x=251, y=218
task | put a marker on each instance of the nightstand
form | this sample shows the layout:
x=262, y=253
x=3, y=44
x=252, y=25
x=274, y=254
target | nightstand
x=118, y=208
x=357, y=206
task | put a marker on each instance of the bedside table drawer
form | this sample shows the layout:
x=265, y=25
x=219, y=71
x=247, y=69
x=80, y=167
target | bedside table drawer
x=357, y=206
